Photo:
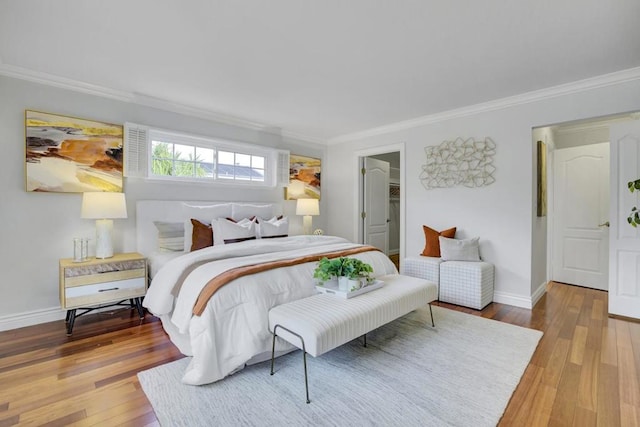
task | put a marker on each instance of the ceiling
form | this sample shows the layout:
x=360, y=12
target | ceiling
x=321, y=69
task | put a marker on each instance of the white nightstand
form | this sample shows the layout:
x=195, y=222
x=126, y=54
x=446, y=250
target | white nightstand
x=102, y=283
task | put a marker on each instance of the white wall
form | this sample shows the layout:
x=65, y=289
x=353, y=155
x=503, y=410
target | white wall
x=502, y=214
x=36, y=229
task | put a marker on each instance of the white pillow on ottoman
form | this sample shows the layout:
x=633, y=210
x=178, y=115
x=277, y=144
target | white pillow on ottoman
x=459, y=249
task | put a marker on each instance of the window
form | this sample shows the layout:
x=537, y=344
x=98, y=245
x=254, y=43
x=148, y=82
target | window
x=244, y=167
x=170, y=159
x=181, y=157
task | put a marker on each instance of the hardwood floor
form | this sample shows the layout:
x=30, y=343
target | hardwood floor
x=585, y=372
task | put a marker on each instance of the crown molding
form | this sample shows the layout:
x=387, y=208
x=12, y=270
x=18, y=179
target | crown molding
x=163, y=104
x=149, y=101
x=604, y=80
x=295, y=137
x=63, y=83
x=591, y=125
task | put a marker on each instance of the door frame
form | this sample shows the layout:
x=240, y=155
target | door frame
x=359, y=155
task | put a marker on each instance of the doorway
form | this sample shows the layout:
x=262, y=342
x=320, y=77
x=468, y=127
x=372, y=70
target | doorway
x=380, y=210
x=386, y=198
x=578, y=200
x=581, y=215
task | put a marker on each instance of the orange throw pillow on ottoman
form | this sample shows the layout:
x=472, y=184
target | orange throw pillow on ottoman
x=432, y=243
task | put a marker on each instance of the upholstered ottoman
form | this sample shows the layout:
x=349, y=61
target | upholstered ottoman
x=466, y=283
x=422, y=267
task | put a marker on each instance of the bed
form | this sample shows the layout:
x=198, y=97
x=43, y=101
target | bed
x=213, y=301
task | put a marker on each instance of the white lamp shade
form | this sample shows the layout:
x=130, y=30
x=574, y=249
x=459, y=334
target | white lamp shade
x=307, y=207
x=103, y=205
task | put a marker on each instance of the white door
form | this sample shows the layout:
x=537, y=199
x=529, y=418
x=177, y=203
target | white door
x=581, y=215
x=624, y=256
x=376, y=203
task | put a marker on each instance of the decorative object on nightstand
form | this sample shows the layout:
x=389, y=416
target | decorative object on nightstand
x=97, y=282
x=80, y=249
x=307, y=208
x=103, y=207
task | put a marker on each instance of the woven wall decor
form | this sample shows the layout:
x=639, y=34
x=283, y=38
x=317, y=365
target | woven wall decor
x=461, y=162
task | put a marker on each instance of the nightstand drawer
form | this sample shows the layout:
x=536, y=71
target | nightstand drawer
x=107, y=276
x=105, y=267
x=104, y=292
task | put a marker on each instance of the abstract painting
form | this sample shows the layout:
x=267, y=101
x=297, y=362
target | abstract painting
x=304, y=178
x=71, y=155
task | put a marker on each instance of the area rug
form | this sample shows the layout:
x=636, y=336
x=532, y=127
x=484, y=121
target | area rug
x=460, y=373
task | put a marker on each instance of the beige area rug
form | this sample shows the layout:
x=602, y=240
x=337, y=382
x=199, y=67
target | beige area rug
x=460, y=373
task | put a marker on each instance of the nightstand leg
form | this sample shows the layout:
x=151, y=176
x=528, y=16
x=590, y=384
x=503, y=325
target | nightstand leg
x=66, y=320
x=71, y=316
x=139, y=307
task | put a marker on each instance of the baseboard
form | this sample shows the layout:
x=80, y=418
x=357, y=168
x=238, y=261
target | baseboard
x=394, y=252
x=30, y=318
x=512, y=299
x=538, y=294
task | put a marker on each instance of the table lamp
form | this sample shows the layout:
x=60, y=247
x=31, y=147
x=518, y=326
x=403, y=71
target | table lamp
x=103, y=207
x=307, y=208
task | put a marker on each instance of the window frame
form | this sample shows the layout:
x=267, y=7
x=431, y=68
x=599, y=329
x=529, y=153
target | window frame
x=269, y=154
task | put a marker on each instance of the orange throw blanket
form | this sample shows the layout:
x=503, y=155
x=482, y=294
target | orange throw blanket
x=222, y=279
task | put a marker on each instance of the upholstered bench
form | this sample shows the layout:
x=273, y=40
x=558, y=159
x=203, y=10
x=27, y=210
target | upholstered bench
x=466, y=283
x=323, y=322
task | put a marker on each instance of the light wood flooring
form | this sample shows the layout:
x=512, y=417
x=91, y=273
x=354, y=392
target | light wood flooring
x=585, y=372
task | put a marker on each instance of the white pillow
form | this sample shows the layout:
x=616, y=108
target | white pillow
x=202, y=214
x=273, y=227
x=459, y=249
x=225, y=231
x=240, y=211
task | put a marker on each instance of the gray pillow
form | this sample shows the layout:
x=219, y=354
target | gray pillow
x=459, y=249
x=170, y=236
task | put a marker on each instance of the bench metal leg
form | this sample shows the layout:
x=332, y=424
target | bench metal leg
x=304, y=356
x=431, y=311
x=365, y=340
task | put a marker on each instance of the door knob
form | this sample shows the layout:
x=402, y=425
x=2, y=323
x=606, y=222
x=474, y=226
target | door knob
x=604, y=224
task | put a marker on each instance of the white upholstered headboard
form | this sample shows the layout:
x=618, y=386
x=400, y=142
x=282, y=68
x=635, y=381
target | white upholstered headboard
x=148, y=211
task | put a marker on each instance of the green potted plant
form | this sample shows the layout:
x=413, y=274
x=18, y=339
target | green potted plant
x=344, y=269
x=634, y=216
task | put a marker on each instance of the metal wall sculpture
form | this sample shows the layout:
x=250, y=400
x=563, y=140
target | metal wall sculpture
x=461, y=162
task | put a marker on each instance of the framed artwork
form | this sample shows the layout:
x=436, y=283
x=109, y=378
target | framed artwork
x=304, y=178
x=542, y=178
x=72, y=155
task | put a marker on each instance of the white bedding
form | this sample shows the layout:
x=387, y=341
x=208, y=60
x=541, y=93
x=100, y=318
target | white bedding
x=233, y=330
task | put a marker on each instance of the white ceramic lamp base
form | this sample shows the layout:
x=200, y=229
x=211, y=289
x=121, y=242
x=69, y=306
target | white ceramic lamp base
x=104, y=248
x=306, y=224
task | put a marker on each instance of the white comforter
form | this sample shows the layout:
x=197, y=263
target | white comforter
x=233, y=329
